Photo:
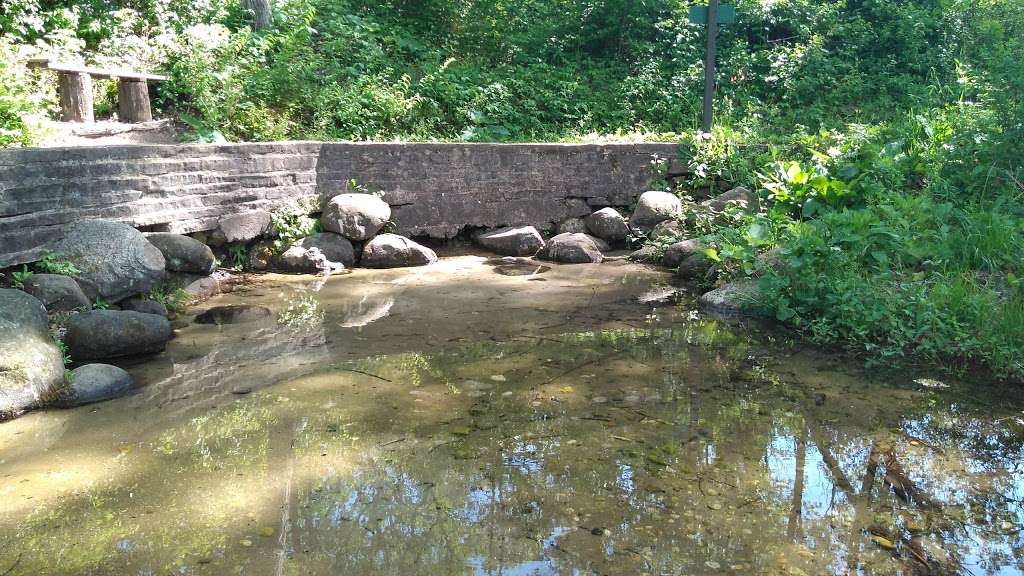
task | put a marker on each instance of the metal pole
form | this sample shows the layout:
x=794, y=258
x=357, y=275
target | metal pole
x=709, y=65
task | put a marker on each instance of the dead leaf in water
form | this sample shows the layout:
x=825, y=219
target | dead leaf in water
x=883, y=542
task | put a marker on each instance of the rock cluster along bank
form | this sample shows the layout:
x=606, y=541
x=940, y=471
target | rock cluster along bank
x=107, y=306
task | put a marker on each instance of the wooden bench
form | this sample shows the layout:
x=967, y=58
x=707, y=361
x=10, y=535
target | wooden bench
x=76, y=91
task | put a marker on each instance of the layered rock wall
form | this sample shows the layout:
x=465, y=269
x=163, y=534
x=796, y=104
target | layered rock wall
x=434, y=189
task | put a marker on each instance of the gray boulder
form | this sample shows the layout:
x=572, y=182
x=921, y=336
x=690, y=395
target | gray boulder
x=31, y=366
x=607, y=224
x=244, y=227
x=654, y=207
x=695, y=267
x=572, y=226
x=94, y=383
x=357, y=217
x=573, y=249
x=680, y=251
x=512, y=241
x=334, y=247
x=58, y=293
x=184, y=254
x=116, y=261
x=300, y=260
x=394, y=251
x=100, y=334
x=666, y=229
x=145, y=306
x=740, y=196
x=739, y=297
x=646, y=255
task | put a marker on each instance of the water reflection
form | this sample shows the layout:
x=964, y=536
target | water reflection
x=677, y=446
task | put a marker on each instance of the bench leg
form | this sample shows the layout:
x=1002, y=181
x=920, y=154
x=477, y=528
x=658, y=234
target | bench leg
x=75, y=97
x=133, y=101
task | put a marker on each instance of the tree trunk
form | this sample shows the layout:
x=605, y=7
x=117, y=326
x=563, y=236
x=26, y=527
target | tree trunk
x=133, y=101
x=75, y=97
x=261, y=13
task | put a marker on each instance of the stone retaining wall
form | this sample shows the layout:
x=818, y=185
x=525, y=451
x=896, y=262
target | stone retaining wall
x=434, y=189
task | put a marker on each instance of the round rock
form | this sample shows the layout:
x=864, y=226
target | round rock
x=739, y=297
x=95, y=383
x=58, y=293
x=334, y=247
x=512, y=241
x=357, y=217
x=100, y=334
x=244, y=227
x=740, y=196
x=695, y=267
x=654, y=207
x=666, y=229
x=144, y=305
x=573, y=249
x=676, y=253
x=184, y=254
x=607, y=224
x=116, y=260
x=394, y=251
x=31, y=366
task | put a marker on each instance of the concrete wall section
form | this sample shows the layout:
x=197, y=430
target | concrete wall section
x=434, y=189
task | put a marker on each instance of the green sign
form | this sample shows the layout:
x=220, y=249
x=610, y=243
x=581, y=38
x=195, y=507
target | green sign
x=699, y=14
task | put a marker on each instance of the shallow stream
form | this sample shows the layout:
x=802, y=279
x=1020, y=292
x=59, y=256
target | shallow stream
x=490, y=417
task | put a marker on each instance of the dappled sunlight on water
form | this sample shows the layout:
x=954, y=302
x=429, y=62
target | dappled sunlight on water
x=558, y=427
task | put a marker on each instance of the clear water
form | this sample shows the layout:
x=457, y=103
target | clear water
x=455, y=420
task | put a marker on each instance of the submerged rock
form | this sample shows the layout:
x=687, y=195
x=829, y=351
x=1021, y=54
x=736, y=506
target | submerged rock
x=94, y=383
x=357, y=217
x=116, y=261
x=740, y=297
x=234, y=314
x=607, y=224
x=512, y=241
x=335, y=247
x=100, y=334
x=184, y=254
x=244, y=227
x=740, y=196
x=58, y=293
x=680, y=251
x=31, y=366
x=394, y=251
x=573, y=249
x=654, y=207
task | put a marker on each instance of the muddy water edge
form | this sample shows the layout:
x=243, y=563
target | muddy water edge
x=494, y=417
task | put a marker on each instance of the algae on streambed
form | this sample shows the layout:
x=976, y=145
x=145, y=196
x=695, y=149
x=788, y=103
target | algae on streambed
x=455, y=420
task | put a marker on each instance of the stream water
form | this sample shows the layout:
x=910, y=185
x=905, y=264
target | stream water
x=474, y=417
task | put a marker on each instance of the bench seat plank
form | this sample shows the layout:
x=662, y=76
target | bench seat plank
x=45, y=63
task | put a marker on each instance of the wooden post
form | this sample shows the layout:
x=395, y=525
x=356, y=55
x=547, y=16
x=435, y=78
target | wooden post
x=709, y=64
x=133, y=101
x=75, y=97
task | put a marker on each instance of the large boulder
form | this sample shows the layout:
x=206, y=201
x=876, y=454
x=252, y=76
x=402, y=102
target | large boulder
x=183, y=254
x=100, y=334
x=573, y=249
x=357, y=217
x=739, y=297
x=513, y=241
x=740, y=196
x=654, y=207
x=695, y=267
x=335, y=247
x=244, y=227
x=94, y=383
x=58, y=293
x=31, y=366
x=394, y=251
x=607, y=224
x=116, y=261
x=680, y=251
x=572, y=226
x=300, y=260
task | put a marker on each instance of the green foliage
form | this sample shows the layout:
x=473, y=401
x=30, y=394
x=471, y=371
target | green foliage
x=239, y=257
x=174, y=299
x=292, y=222
x=101, y=303
x=55, y=263
x=19, y=277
